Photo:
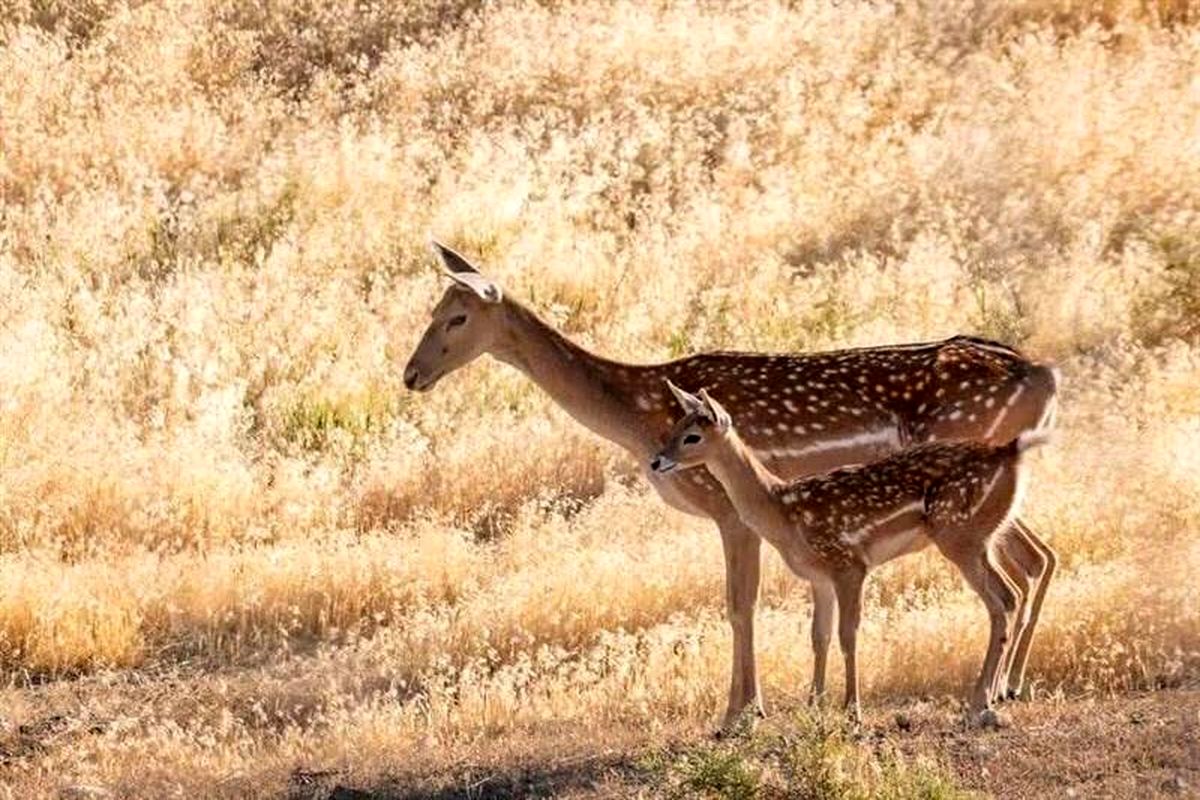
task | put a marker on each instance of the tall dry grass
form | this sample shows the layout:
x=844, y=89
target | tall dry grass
x=231, y=545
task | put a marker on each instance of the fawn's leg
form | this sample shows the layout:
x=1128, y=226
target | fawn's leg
x=742, y=569
x=1020, y=582
x=824, y=600
x=848, y=585
x=1039, y=561
x=1000, y=598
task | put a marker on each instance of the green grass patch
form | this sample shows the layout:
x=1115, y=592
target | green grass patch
x=317, y=423
x=1173, y=311
x=812, y=755
x=248, y=236
x=997, y=314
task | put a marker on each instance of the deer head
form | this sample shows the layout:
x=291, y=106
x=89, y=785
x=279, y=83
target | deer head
x=464, y=324
x=704, y=426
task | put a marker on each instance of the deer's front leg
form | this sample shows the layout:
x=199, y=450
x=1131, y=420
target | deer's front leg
x=824, y=602
x=742, y=570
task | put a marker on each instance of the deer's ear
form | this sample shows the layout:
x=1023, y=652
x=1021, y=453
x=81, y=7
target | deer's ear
x=716, y=411
x=485, y=289
x=452, y=260
x=464, y=273
x=690, y=403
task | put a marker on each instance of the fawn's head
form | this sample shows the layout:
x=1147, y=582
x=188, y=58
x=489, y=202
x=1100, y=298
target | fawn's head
x=464, y=325
x=694, y=438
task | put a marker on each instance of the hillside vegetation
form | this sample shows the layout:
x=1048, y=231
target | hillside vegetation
x=234, y=551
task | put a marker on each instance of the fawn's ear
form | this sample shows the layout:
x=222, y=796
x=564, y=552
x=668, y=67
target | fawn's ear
x=690, y=403
x=464, y=273
x=716, y=411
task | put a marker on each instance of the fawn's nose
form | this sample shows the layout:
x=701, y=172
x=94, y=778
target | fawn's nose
x=411, y=375
x=663, y=464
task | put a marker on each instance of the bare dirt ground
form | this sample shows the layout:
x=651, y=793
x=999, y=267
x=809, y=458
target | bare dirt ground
x=1130, y=746
x=1140, y=745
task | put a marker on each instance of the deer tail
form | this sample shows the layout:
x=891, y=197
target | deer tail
x=1030, y=439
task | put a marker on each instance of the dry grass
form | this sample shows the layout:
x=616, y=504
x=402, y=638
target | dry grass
x=231, y=545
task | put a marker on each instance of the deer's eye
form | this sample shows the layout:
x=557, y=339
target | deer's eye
x=692, y=438
x=456, y=320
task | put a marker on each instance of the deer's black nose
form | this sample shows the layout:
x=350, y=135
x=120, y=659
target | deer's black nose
x=657, y=463
x=411, y=374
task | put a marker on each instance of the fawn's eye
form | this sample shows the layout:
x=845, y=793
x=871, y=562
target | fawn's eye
x=456, y=320
x=692, y=438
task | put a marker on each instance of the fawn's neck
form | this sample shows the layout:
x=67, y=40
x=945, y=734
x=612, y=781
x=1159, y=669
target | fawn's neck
x=586, y=386
x=751, y=487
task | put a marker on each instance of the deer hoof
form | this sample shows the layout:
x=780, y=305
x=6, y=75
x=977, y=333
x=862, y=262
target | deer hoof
x=990, y=719
x=1020, y=693
x=741, y=723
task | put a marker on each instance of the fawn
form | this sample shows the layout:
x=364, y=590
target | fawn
x=832, y=528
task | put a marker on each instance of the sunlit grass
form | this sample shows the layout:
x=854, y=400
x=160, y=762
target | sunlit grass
x=232, y=545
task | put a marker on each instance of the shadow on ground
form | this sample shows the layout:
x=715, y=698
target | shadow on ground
x=476, y=783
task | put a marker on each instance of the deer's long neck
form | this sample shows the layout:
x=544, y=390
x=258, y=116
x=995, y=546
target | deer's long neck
x=584, y=384
x=752, y=489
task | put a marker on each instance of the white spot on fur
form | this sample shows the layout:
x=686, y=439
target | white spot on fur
x=1004, y=411
x=987, y=492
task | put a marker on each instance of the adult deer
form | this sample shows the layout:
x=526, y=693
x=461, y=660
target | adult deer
x=802, y=414
x=832, y=528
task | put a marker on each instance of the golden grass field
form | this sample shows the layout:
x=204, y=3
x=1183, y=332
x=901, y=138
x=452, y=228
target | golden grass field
x=238, y=559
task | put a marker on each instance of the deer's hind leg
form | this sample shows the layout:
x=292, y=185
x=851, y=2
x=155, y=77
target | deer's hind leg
x=996, y=413
x=1022, y=584
x=974, y=560
x=1038, y=562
